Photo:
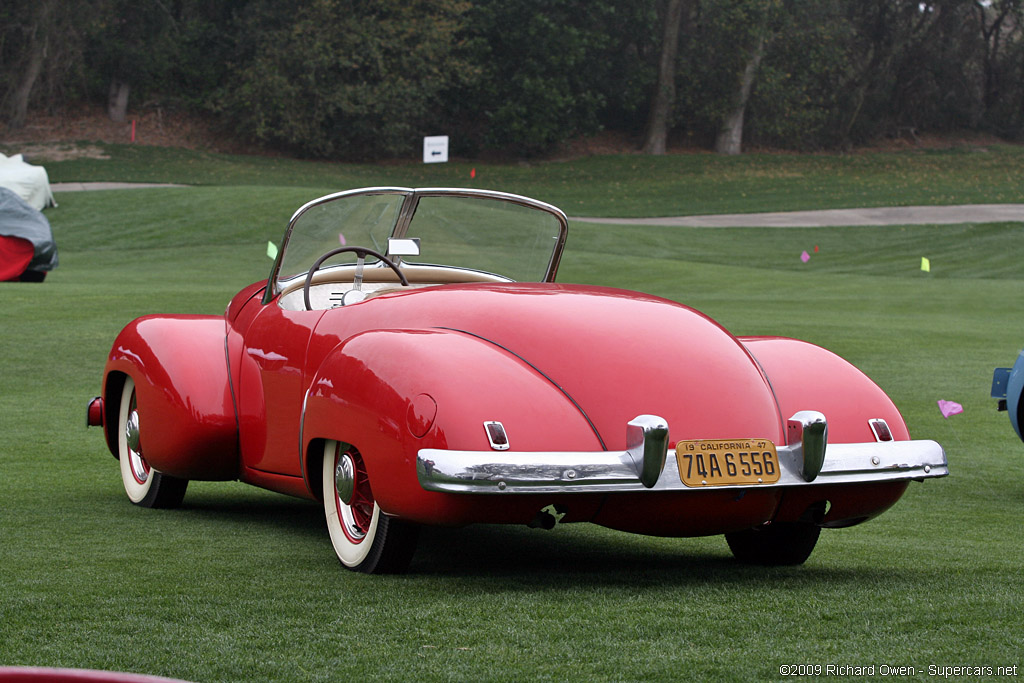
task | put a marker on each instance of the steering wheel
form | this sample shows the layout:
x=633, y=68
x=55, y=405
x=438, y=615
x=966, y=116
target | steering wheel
x=357, y=281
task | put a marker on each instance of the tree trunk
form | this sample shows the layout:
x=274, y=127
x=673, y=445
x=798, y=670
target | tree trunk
x=992, y=37
x=20, y=98
x=665, y=91
x=117, y=101
x=730, y=137
x=38, y=42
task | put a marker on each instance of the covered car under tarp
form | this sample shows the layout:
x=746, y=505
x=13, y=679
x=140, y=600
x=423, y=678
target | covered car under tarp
x=27, y=249
x=29, y=182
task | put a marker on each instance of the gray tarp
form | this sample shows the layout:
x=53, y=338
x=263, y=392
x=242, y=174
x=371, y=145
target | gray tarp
x=18, y=219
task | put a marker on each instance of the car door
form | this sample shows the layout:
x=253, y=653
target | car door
x=271, y=388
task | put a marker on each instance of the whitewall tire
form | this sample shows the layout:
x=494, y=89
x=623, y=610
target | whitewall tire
x=144, y=485
x=364, y=538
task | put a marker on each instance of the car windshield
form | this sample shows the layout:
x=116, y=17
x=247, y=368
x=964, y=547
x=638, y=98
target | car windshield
x=510, y=236
x=365, y=220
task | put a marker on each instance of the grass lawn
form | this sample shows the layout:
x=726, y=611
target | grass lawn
x=242, y=585
x=614, y=185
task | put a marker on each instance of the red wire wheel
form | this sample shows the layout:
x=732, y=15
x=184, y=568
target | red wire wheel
x=364, y=538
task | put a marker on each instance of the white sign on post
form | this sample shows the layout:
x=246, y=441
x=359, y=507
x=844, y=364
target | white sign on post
x=435, y=149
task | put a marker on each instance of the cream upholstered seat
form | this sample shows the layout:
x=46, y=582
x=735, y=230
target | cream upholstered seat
x=330, y=284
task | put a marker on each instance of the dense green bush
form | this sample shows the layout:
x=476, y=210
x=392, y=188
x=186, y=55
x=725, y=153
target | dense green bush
x=553, y=69
x=344, y=78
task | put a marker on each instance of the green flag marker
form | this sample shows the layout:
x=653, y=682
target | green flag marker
x=926, y=265
x=271, y=250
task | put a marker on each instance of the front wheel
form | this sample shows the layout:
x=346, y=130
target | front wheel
x=364, y=539
x=778, y=544
x=144, y=485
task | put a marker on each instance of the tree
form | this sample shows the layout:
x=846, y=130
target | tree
x=369, y=78
x=135, y=45
x=665, y=90
x=719, y=67
x=799, y=80
x=999, y=23
x=747, y=23
x=551, y=68
x=40, y=47
x=883, y=33
x=730, y=136
x=39, y=30
x=344, y=78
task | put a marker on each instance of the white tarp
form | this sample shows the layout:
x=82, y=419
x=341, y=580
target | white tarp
x=27, y=181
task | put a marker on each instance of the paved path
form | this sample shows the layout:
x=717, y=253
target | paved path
x=901, y=215
x=78, y=187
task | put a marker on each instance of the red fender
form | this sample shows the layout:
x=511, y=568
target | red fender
x=807, y=377
x=187, y=416
x=390, y=393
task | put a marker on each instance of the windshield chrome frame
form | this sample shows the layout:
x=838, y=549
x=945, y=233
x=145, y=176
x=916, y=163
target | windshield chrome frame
x=408, y=210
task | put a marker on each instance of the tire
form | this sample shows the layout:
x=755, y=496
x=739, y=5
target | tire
x=145, y=486
x=364, y=539
x=779, y=544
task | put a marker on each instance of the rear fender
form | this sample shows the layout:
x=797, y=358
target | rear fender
x=391, y=393
x=187, y=417
x=807, y=377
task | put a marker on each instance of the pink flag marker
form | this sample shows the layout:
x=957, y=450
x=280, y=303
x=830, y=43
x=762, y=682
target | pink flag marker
x=341, y=238
x=948, y=408
x=805, y=257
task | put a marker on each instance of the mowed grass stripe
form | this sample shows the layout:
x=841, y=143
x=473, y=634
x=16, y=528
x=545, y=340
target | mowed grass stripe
x=241, y=584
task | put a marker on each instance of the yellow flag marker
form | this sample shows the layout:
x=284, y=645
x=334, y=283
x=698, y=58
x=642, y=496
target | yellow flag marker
x=926, y=265
x=271, y=250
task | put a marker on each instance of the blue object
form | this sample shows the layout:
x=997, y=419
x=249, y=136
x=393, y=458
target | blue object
x=1008, y=386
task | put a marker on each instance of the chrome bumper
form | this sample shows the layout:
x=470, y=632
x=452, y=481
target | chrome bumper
x=648, y=465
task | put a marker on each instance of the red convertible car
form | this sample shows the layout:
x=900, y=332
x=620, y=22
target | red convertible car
x=411, y=361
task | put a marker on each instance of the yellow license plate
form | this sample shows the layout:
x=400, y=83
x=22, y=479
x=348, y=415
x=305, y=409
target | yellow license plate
x=729, y=462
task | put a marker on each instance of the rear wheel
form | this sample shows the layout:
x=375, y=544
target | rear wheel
x=778, y=544
x=144, y=485
x=364, y=538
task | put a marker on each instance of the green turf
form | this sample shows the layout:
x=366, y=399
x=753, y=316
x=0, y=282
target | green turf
x=241, y=584
x=615, y=185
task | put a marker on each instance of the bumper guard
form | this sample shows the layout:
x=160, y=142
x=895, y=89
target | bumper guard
x=646, y=464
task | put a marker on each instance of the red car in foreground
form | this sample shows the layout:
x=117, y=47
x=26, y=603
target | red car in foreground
x=410, y=361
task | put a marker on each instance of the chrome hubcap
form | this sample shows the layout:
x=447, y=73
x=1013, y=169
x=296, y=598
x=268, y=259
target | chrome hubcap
x=140, y=468
x=131, y=431
x=344, y=479
x=352, y=496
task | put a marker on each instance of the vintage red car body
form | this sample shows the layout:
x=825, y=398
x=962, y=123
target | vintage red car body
x=469, y=397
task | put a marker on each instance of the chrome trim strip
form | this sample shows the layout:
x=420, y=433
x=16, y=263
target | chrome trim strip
x=610, y=471
x=302, y=442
